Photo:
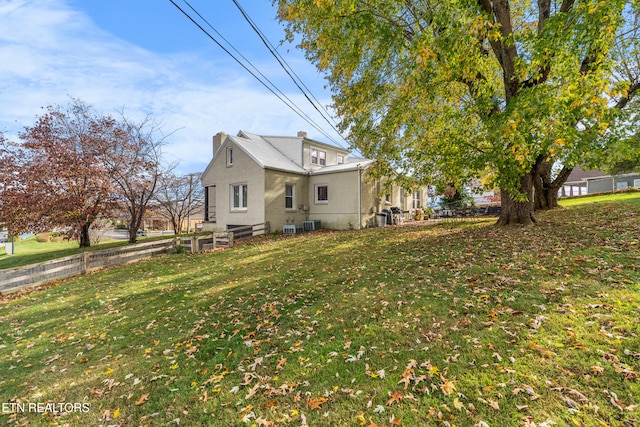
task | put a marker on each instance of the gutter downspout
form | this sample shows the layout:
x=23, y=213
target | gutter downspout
x=359, y=198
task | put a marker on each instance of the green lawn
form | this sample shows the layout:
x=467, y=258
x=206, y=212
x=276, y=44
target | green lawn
x=599, y=198
x=449, y=324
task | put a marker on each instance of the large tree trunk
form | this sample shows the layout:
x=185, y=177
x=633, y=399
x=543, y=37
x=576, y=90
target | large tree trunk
x=134, y=222
x=84, y=238
x=546, y=188
x=514, y=212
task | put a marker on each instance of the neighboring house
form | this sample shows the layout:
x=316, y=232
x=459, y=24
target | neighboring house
x=285, y=180
x=582, y=182
x=155, y=220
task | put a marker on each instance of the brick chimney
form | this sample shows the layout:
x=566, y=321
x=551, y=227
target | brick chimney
x=302, y=134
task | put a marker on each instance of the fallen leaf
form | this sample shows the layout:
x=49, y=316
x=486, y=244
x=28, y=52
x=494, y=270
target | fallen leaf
x=281, y=363
x=447, y=387
x=142, y=399
x=395, y=397
x=316, y=403
x=457, y=404
x=493, y=404
x=253, y=391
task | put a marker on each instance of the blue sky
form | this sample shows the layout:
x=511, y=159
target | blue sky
x=146, y=57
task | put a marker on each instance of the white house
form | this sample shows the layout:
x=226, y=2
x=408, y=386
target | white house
x=285, y=180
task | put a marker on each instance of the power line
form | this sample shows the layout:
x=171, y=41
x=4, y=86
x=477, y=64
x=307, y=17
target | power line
x=290, y=103
x=273, y=88
x=287, y=68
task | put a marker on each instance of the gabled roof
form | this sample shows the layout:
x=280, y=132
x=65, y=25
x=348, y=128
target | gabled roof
x=263, y=152
x=581, y=175
x=281, y=153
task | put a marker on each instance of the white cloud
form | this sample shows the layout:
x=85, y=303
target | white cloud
x=49, y=52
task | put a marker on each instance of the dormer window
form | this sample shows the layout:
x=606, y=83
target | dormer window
x=318, y=157
x=229, y=156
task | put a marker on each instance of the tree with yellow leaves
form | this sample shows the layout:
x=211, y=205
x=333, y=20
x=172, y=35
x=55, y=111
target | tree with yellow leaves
x=457, y=88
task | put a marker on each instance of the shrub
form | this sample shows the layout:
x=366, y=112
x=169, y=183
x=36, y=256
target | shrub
x=43, y=237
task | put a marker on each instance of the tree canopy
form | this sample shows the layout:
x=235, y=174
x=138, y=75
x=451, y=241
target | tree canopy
x=455, y=88
x=57, y=175
x=75, y=165
x=179, y=197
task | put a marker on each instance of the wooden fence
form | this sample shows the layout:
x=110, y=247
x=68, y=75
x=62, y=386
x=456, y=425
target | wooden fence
x=223, y=239
x=14, y=279
x=218, y=239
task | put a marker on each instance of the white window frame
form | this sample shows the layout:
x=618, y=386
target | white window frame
x=292, y=197
x=316, y=189
x=318, y=157
x=340, y=159
x=243, y=200
x=417, y=199
x=229, y=156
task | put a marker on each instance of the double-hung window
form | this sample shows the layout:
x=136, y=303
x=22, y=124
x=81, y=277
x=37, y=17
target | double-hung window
x=416, y=200
x=239, y=196
x=318, y=157
x=289, y=196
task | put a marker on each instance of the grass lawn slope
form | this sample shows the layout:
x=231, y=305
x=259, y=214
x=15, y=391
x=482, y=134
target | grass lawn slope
x=450, y=324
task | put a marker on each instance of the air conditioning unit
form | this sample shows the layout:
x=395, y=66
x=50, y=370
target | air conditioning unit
x=311, y=225
x=289, y=229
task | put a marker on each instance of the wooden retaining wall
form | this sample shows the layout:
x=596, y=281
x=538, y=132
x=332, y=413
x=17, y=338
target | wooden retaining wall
x=14, y=279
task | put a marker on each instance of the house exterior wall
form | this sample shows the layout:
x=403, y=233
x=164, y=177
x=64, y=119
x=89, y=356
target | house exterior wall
x=608, y=183
x=600, y=185
x=243, y=171
x=628, y=181
x=370, y=204
x=340, y=211
x=274, y=198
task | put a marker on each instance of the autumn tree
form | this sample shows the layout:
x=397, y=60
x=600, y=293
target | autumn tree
x=614, y=143
x=135, y=167
x=624, y=156
x=469, y=87
x=57, y=176
x=179, y=197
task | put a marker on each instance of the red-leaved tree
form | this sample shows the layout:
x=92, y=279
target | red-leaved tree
x=74, y=166
x=57, y=176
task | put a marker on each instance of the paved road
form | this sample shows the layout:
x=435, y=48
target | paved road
x=124, y=234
